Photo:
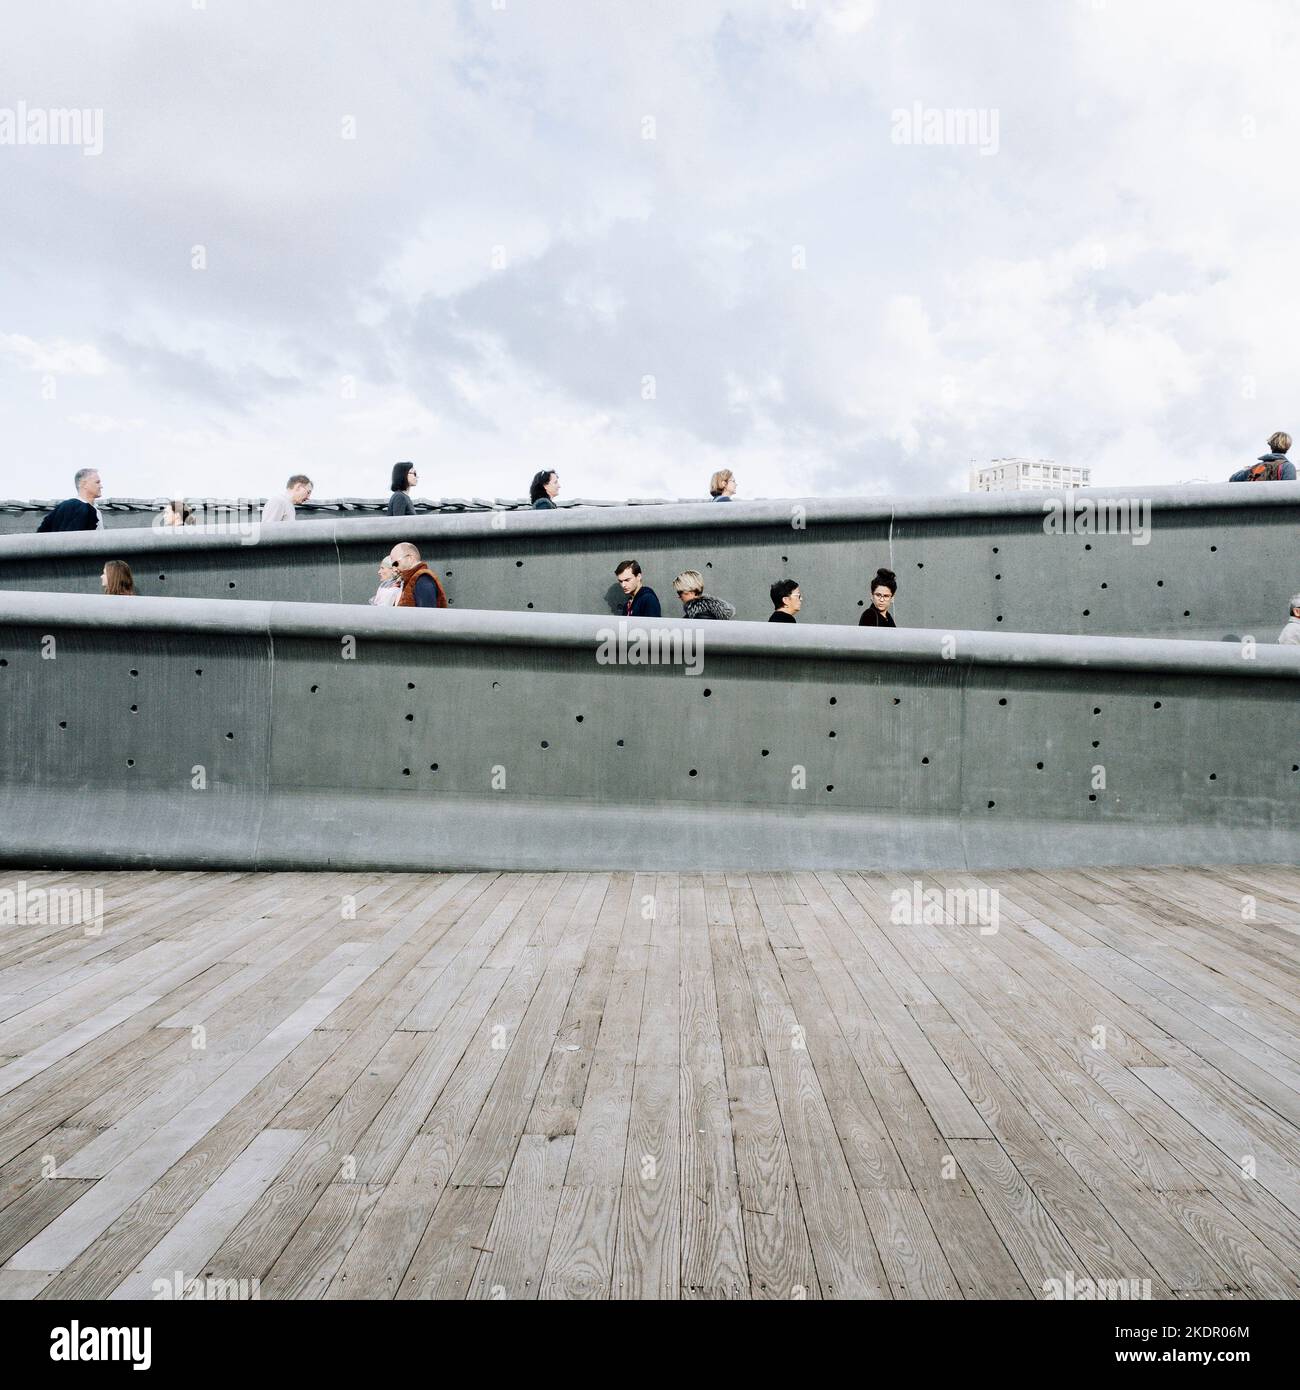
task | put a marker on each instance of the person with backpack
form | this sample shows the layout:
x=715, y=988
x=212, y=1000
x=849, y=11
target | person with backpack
x=1272, y=467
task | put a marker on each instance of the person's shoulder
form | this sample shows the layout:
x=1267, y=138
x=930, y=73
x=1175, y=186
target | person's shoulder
x=779, y=617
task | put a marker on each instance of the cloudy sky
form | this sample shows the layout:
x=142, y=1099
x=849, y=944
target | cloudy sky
x=637, y=240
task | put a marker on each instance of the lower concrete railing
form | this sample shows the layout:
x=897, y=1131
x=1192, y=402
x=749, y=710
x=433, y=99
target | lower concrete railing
x=185, y=732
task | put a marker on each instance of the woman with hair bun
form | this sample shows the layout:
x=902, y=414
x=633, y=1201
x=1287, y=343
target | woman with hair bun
x=883, y=588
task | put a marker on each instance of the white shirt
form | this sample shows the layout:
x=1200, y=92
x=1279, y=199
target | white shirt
x=1291, y=633
x=278, y=509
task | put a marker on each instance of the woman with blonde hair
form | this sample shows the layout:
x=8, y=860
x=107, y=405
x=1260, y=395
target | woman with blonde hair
x=117, y=578
x=722, y=486
x=695, y=602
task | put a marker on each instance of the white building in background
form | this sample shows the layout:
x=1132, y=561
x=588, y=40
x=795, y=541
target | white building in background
x=1027, y=475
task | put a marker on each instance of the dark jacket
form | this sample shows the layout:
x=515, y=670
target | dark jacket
x=781, y=616
x=544, y=504
x=645, y=604
x=1286, y=473
x=72, y=515
x=873, y=617
x=400, y=504
x=722, y=497
x=706, y=606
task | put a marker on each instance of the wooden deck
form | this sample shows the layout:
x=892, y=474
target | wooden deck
x=652, y=1086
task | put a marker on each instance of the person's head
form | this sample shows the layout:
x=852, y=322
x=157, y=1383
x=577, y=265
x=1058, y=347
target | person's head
x=689, y=585
x=405, y=556
x=387, y=568
x=883, y=588
x=723, y=483
x=86, y=481
x=117, y=578
x=786, y=596
x=299, y=488
x=404, y=477
x=1279, y=442
x=628, y=575
x=544, y=484
x=176, y=513
x=1295, y=605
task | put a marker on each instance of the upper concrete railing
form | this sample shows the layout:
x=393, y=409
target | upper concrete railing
x=183, y=732
x=1201, y=562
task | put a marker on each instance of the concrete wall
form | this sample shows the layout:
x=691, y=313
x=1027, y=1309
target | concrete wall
x=1220, y=560
x=331, y=735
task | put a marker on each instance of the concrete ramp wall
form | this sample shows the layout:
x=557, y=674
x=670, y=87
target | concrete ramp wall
x=1209, y=562
x=251, y=735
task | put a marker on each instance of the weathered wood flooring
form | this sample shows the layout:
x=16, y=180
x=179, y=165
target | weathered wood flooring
x=636, y=1086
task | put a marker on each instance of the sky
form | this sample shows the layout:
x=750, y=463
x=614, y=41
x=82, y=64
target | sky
x=639, y=240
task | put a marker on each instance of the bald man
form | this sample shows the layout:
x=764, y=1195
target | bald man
x=421, y=588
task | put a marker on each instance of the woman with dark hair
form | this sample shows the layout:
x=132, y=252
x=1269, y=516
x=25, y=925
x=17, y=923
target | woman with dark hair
x=117, y=578
x=544, y=489
x=883, y=588
x=176, y=513
x=404, y=479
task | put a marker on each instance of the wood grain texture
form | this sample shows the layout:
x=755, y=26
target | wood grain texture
x=655, y=1086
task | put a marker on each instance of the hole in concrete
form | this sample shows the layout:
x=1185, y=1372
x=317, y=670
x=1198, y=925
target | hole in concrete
x=1214, y=777
x=896, y=700
x=619, y=744
x=134, y=672
x=519, y=564
x=198, y=670
x=1096, y=709
x=1160, y=583
x=63, y=723
x=578, y=718
x=409, y=718
x=765, y=752
x=314, y=689
x=406, y=772
x=830, y=786
x=997, y=576
x=162, y=576
x=130, y=762
x=1088, y=546
x=1156, y=705
x=433, y=767
x=831, y=734
x=707, y=693
x=1103, y=584
x=1092, y=796
x=135, y=709
x=530, y=605
x=995, y=550
x=1087, y=612
x=1213, y=548
x=708, y=564
x=999, y=617
x=992, y=804
x=694, y=772
x=833, y=701
x=1187, y=612
x=231, y=585
x=920, y=564
x=410, y=685
x=924, y=761
x=1003, y=700
x=545, y=744
x=1096, y=743
x=230, y=738
x=785, y=559
x=861, y=602
x=1039, y=766
x=496, y=685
